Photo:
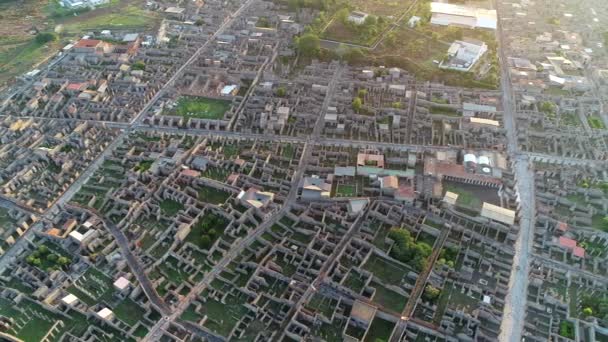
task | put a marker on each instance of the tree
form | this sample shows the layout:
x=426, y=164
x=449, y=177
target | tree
x=361, y=93
x=342, y=15
x=396, y=105
x=52, y=257
x=431, y=293
x=63, y=261
x=587, y=311
x=199, y=22
x=370, y=21
x=42, y=250
x=45, y=37
x=357, y=104
x=355, y=56
x=309, y=45
x=205, y=242
x=281, y=92
x=36, y=262
x=139, y=65
x=212, y=233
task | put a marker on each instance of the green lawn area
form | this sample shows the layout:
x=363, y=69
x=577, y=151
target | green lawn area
x=389, y=298
x=212, y=195
x=379, y=330
x=129, y=17
x=170, y=207
x=344, y=190
x=288, y=151
x=322, y=304
x=216, y=173
x=92, y=287
x=354, y=281
x=465, y=198
x=222, y=317
x=385, y=270
x=597, y=222
x=438, y=110
x=566, y=329
x=129, y=312
x=34, y=328
x=144, y=165
x=191, y=315
x=200, y=107
x=595, y=122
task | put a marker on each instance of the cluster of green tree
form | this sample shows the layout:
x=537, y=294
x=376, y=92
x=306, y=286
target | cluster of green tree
x=448, y=257
x=547, y=107
x=45, y=37
x=309, y=45
x=139, y=65
x=263, y=22
x=211, y=227
x=42, y=252
x=566, y=329
x=407, y=250
x=359, y=100
x=281, y=91
x=431, y=293
x=596, y=306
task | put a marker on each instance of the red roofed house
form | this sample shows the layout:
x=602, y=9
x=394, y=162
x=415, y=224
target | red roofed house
x=562, y=227
x=405, y=194
x=567, y=242
x=579, y=252
x=90, y=46
x=571, y=245
x=77, y=87
x=190, y=173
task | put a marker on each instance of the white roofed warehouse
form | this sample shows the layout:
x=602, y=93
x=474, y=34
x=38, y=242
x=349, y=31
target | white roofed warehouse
x=449, y=14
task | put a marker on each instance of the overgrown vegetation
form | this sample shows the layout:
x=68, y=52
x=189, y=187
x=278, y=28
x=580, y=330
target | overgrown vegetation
x=406, y=250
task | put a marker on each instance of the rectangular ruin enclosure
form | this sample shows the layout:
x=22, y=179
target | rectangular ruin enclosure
x=200, y=108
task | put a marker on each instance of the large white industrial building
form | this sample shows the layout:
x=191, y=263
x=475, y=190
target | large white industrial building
x=450, y=14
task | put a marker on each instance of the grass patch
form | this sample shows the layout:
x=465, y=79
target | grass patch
x=200, y=108
x=389, y=298
x=385, y=270
x=212, y=195
x=207, y=230
x=345, y=190
x=129, y=312
x=129, y=17
x=144, y=165
x=379, y=330
x=595, y=122
x=466, y=198
x=222, y=317
x=438, y=110
x=92, y=287
x=170, y=207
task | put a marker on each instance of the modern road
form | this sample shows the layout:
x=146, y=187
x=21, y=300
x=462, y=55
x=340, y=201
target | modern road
x=514, y=312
